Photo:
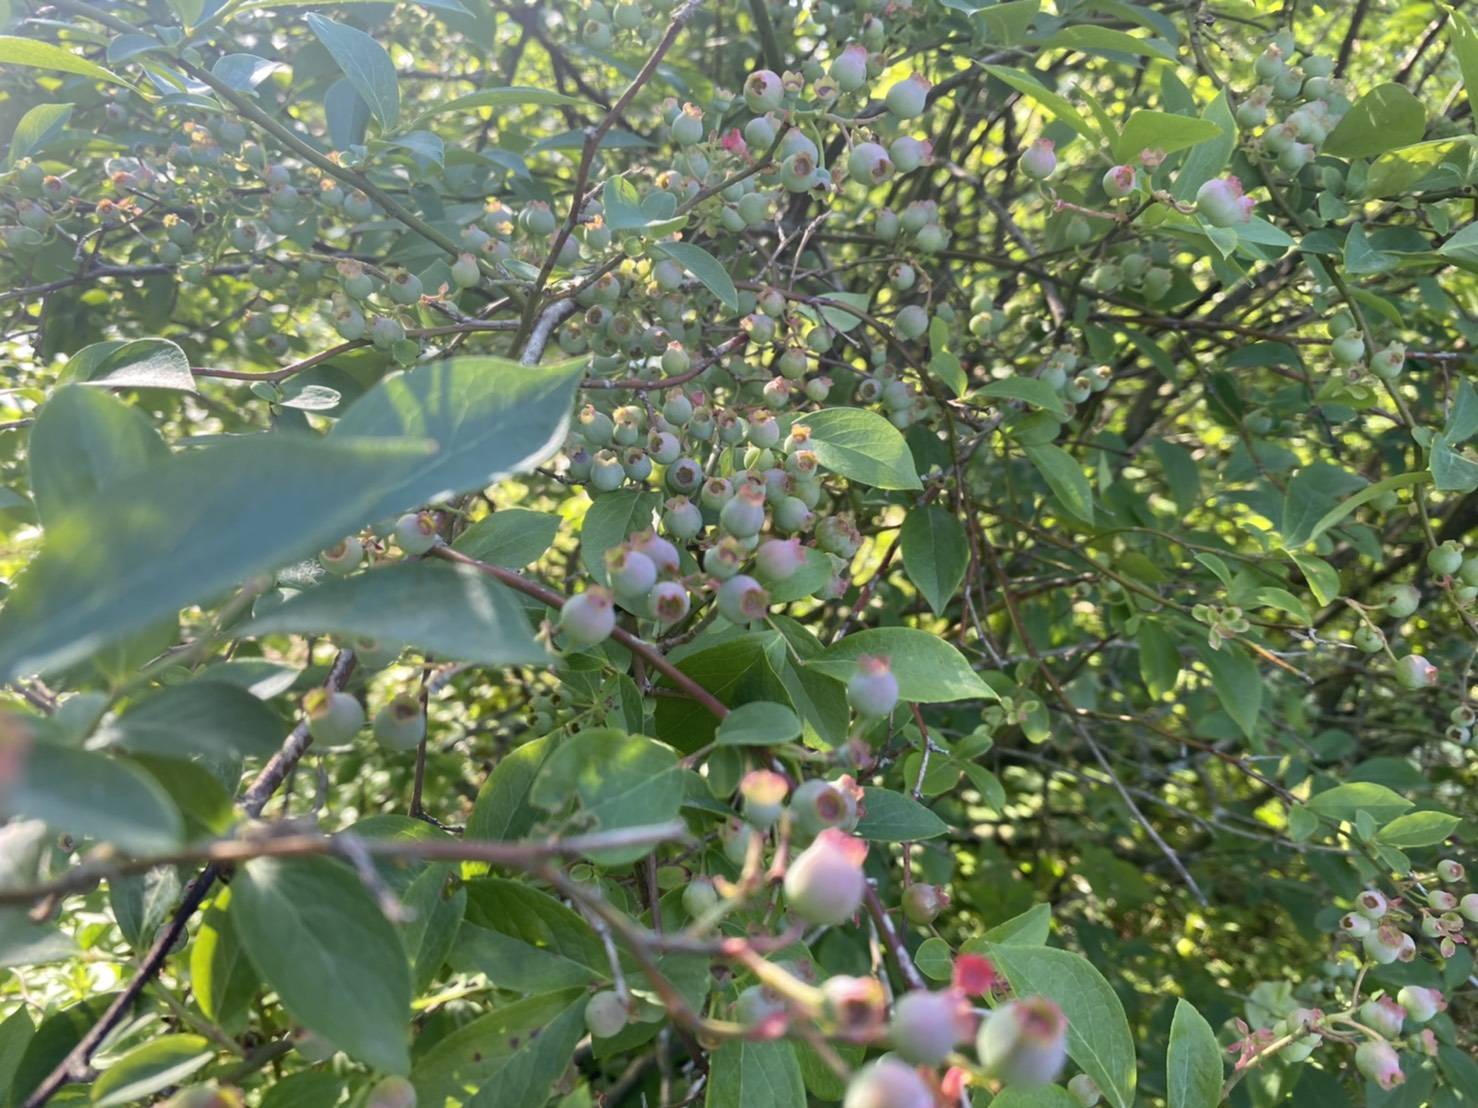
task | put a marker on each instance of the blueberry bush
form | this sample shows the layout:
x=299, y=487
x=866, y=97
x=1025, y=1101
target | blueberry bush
x=882, y=553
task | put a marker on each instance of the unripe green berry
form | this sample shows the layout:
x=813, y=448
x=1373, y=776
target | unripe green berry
x=1118, y=182
x=923, y=903
x=588, y=617
x=907, y=98
x=391, y=1092
x=699, y=897
x=742, y=600
x=343, y=557
x=605, y=1014
x=1446, y=559
x=415, y=532
x=872, y=690
x=333, y=717
x=400, y=724
x=1415, y=672
x=1402, y=600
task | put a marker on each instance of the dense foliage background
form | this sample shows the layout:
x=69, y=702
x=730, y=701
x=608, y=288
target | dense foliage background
x=512, y=512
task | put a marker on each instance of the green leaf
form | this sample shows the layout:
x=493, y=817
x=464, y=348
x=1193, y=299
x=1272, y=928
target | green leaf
x=515, y=1052
x=1364, y=496
x=736, y=671
x=144, y=1070
x=1463, y=245
x=243, y=72
x=1055, y=103
x=450, y=611
x=1065, y=478
x=510, y=537
x=1147, y=130
x=90, y=795
x=1031, y=928
x=1417, y=829
x=1465, y=45
x=620, y=781
x=1181, y=473
x=1209, y=157
x=1397, y=171
x=1084, y=36
x=744, y=1074
x=488, y=417
x=1193, y=1068
x=366, y=65
x=836, y=309
x=935, y=554
x=1098, y=1035
x=435, y=918
x=502, y=810
x=188, y=10
x=929, y=670
x=1040, y=1096
x=24, y=940
x=1344, y=802
x=610, y=520
x=1362, y=259
x=526, y=940
x=136, y=364
x=1311, y=495
x=154, y=544
x=16, y=1032
x=891, y=817
x=508, y=96
x=199, y=717
x=862, y=446
x=36, y=128
x=346, y=114
x=83, y=441
x=305, y=1089
x=1029, y=390
x=759, y=723
x=35, y=54
x=1323, y=578
x=935, y=959
x=1159, y=660
x=1384, y=118
x=942, y=362
x=624, y=211
x=1238, y=684
x=317, y=936
x=704, y=266
x=1452, y=470
x=222, y=979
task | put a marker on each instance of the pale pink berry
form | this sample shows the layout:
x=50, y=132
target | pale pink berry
x=1378, y=1061
x=1040, y=160
x=926, y=1026
x=1024, y=1042
x=824, y=885
x=1221, y=203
